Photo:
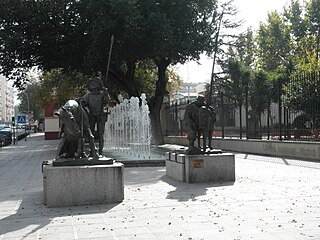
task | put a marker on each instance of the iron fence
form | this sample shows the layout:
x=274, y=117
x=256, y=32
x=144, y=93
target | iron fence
x=292, y=114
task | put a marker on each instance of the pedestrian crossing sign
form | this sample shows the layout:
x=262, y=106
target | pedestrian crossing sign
x=22, y=119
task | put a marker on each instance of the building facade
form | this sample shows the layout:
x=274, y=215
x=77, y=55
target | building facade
x=6, y=100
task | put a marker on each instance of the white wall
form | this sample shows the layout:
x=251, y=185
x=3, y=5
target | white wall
x=301, y=150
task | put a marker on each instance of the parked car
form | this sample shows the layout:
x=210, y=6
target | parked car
x=5, y=136
x=2, y=141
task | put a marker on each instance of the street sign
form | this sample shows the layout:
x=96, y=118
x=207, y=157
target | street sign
x=22, y=119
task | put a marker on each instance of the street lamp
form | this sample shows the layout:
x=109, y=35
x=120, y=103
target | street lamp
x=27, y=101
x=28, y=113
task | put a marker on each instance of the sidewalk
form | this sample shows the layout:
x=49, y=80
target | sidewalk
x=272, y=198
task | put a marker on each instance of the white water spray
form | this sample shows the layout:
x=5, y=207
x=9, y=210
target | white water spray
x=127, y=130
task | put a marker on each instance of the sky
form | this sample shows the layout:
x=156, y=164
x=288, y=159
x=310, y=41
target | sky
x=252, y=12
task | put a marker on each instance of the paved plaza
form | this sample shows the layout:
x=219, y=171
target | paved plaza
x=272, y=198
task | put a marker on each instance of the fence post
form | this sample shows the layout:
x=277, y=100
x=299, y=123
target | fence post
x=176, y=126
x=268, y=119
x=222, y=115
x=280, y=110
x=247, y=107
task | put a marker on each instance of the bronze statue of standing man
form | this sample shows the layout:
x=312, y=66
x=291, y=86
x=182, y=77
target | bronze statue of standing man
x=192, y=120
x=95, y=100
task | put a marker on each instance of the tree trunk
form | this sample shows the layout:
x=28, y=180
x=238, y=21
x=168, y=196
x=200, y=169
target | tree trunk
x=268, y=119
x=132, y=85
x=156, y=102
x=247, y=111
x=156, y=129
x=125, y=82
x=240, y=115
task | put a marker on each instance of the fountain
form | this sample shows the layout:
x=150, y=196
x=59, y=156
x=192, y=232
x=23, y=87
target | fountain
x=127, y=132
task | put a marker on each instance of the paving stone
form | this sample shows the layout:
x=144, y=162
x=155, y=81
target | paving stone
x=272, y=198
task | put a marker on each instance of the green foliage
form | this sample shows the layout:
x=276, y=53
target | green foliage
x=55, y=83
x=48, y=34
x=174, y=82
x=310, y=60
x=260, y=92
x=146, y=76
x=239, y=78
x=31, y=93
x=235, y=84
x=62, y=85
x=65, y=38
x=293, y=15
x=245, y=47
x=313, y=18
x=225, y=24
x=283, y=55
x=273, y=42
x=303, y=94
x=75, y=35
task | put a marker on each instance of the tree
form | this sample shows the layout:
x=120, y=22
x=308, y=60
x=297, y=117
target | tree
x=297, y=25
x=222, y=38
x=313, y=18
x=29, y=101
x=245, y=47
x=40, y=90
x=177, y=31
x=302, y=93
x=48, y=34
x=237, y=83
x=260, y=94
x=245, y=50
x=75, y=36
x=62, y=85
x=273, y=42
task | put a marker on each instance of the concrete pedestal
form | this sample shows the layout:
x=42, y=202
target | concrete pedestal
x=201, y=168
x=81, y=185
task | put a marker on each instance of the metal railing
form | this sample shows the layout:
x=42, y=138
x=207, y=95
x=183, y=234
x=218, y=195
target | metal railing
x=295, y=116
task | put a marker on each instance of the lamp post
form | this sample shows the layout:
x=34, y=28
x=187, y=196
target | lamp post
x=28, y=102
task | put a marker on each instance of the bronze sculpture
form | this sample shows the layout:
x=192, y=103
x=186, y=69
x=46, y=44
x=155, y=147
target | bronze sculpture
x=75, y=127
x=192, y=120
x=207, y=119
x=95, y=101
x=200, y=119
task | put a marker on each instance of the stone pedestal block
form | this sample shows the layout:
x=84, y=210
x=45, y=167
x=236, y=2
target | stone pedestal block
x=176, y=170
x=81, y=185
x=201, y=168
x=210, y=168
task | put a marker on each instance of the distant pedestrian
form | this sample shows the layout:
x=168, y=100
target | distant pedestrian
x=308, y=124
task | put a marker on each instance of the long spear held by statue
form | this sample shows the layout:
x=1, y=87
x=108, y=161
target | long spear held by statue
x=106, y=77
x=109, y=59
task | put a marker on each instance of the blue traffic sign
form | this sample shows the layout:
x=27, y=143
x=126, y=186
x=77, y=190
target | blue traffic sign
x=22, y=119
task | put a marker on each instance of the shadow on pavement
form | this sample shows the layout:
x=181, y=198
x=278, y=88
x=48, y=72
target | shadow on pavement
x=143, y=175
x=315, y=164
x=28, y=213
x=190, y=191
x=33, y=215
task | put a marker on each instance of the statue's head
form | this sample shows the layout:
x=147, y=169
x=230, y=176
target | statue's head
x=200, y=100
x=95, y=85
x=67, y=117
